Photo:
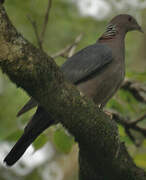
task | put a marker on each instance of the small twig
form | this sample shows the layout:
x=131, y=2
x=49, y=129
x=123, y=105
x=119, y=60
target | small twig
x=62, y=52
x=34, y=25
x=138, y=119
x=127, y=130
x=46, y=18
x=69, y=50
x=74, y=45
x=40, y=38
x=136, y=89
x=129, y=125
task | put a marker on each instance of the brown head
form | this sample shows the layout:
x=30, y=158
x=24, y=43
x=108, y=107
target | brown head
x=126, y=23
x=120, y=24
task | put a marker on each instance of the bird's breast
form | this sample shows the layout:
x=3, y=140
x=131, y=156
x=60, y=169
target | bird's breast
x=102, y=86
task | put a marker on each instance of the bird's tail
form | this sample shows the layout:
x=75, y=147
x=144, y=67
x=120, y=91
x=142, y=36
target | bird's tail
x=39, y=122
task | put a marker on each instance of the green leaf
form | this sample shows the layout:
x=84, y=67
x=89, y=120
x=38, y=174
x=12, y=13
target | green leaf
x=40, y=141
x=126, y=139
x=123, y=136
x=139, y=76
x=63, y=141
x=12, y=137
x=140, y=160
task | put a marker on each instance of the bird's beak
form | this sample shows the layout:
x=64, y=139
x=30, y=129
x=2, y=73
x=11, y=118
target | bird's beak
x=140, y=29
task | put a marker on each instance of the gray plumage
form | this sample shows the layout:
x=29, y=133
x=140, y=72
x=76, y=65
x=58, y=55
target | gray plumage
x=86, y=62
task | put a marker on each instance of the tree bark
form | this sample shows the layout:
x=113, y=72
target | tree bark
x=102, y=156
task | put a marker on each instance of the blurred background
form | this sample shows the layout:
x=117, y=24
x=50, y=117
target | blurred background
x=54, y=155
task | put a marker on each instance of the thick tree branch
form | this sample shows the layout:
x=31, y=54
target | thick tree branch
x=102, y=156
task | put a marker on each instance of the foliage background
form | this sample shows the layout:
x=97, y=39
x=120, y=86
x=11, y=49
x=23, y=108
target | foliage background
x=65, y=23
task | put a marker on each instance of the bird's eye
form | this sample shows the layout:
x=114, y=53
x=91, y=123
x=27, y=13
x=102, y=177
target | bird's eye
x=130, y=19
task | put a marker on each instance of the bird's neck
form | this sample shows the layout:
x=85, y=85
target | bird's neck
x=114, y=37
x=112, y=32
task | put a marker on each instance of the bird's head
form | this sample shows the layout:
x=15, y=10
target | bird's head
x=126, y=23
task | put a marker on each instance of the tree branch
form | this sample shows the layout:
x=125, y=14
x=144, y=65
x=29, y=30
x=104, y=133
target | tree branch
x=34, y=25
x=69, y=50
x=46, y=18
x=101, y=156
x=136, y=89
x=129, y=125
x=40, y=38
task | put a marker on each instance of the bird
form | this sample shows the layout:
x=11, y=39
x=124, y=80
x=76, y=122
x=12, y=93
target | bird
x=97, y=71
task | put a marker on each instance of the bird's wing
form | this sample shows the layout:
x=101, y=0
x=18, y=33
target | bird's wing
x=86, y=62
x=81, y=65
